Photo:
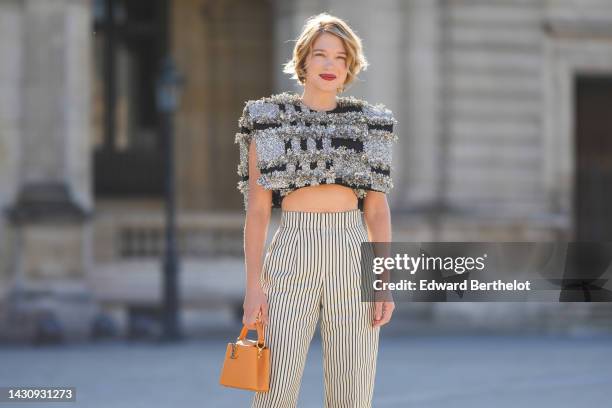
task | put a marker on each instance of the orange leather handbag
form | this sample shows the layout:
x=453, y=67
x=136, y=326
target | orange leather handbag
x=247, y=362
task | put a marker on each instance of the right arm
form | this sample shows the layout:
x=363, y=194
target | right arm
x=258, y=214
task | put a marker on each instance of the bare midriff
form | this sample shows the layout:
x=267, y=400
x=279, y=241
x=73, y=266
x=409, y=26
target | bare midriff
x=320, y=198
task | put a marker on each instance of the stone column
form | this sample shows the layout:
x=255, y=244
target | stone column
x=49, y=217
x=10, y=112
x=420, y=131
x=289, y=18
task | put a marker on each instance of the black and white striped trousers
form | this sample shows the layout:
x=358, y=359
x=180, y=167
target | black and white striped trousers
x=312, y=270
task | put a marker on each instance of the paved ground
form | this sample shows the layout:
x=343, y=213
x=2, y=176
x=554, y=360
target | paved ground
x=413, y=371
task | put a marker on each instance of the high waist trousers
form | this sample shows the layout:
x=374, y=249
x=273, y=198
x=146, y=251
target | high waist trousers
x=312, y=271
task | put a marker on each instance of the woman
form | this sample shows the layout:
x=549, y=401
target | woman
x=322, y=159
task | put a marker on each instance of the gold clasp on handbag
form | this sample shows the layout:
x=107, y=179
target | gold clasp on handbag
x=259, y=350
x=233, y=354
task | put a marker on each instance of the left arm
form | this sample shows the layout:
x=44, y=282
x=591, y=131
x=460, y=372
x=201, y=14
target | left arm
x=378, y=222
x=377, y=216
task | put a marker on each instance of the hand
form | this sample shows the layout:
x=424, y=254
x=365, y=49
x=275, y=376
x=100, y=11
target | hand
x=382, y=312
x=255, y=307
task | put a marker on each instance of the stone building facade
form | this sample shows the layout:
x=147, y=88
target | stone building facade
x=501, y=137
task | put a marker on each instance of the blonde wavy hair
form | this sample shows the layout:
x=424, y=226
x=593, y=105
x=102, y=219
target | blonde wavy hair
x=314, y=27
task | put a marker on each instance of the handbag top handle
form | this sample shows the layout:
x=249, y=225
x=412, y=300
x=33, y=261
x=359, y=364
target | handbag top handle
x=260, y=334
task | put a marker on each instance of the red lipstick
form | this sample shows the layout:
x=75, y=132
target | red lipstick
x=328, y=77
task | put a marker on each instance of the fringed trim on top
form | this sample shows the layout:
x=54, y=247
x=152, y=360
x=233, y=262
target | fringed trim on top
x=349, y=145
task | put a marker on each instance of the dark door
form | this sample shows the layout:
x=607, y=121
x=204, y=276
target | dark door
x=593, y=190
x=129, y=42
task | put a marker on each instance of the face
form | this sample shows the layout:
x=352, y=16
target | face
x=326, y=67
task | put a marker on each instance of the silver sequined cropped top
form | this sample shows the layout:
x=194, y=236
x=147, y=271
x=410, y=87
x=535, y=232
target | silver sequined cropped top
x=350, y=145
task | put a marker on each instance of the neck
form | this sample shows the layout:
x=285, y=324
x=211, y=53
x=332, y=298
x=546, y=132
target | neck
x=318, y=100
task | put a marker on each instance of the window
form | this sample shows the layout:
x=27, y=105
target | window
x=129, y=40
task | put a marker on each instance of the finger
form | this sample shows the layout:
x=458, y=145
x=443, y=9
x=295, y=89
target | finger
x=378, y=310
x=258, y=318
x=249, y=321
x=382, y=321
x=387, y=311
x=255, y=315
x=387, y=314
x=386, y=317
x=377, y=315
x=387, y=307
